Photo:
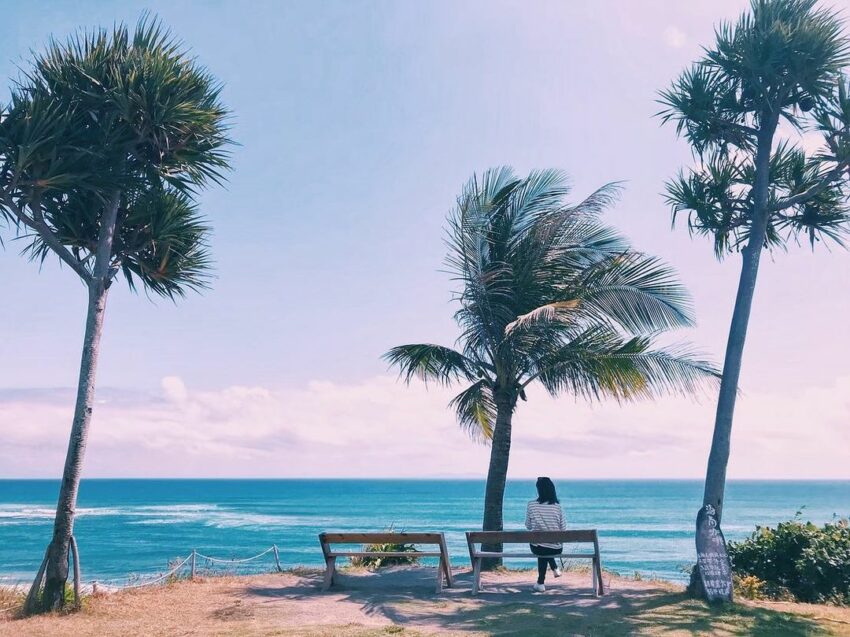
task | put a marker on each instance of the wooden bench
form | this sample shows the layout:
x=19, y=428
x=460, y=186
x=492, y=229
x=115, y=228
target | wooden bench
x=444, y=568
x=588, y=536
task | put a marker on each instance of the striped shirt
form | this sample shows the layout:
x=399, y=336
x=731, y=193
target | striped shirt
x=545, y=517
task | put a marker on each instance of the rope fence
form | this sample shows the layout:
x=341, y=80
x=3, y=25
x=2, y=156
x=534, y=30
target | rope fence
x=194, y=562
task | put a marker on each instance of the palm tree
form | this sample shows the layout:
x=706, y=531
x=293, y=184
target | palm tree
x=754, y=190
x=102, y=147
x=548, y=294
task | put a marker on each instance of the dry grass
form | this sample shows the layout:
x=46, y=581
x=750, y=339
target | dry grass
x=11, y=600
x=402, y=602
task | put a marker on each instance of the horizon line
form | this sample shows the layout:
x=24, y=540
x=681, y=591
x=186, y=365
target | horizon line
x=419, y=479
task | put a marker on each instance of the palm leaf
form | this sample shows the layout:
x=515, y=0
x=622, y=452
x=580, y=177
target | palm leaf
x=637, y=292
x=599, y=363
x=476, y=411
x=432, y=363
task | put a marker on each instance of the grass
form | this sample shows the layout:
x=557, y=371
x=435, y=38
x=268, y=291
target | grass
x=401, y=602
x=661, y=614
x=11, y=600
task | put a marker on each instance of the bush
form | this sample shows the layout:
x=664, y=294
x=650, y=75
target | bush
x=796, y=559
x=748, y=586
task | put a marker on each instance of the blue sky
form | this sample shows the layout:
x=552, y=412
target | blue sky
x=357, y=123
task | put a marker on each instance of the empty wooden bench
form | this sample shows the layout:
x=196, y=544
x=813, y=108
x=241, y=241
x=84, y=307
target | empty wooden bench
x=475, y=538
x=444, y=568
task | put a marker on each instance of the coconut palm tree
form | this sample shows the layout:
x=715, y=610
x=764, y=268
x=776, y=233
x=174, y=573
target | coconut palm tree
x=103, y=145
x=548, y=294
x=754, y=190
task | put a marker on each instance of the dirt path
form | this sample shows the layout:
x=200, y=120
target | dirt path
x=403, y=602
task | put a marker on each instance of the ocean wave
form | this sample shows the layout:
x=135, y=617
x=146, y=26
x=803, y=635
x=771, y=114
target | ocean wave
x=34, y=513
x=239, y=519
x=209, y=515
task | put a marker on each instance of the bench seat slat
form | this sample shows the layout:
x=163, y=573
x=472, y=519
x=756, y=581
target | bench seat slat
x=381, y=538
x=385, y=554
x=569, y=556
x=532, y=537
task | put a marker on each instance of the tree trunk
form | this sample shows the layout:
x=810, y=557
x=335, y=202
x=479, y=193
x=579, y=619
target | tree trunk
x=63, y=525
x=494, y=494
x=718, y=459
x=56, y=573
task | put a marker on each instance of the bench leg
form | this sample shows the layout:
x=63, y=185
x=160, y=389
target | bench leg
x=593, y=571
x=444, y=561
x=598, y=570
x=476, y=575
x=440, y=577
x=330, y=566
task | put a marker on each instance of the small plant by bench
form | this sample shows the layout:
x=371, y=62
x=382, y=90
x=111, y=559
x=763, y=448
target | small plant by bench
x=375, y=552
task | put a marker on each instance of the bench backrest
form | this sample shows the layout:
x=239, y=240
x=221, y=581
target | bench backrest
x=381, y=538
x=532, y=537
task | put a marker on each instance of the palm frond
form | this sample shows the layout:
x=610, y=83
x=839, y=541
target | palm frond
x=599, y=363
x=476, y=411
x=637, y=292
x=544, y=314
x=436, y=363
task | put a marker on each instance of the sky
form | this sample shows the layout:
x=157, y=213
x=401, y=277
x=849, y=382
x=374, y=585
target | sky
x=357, y=124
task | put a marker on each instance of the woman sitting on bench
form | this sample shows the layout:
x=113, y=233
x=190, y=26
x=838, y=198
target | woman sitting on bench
x=545, y=514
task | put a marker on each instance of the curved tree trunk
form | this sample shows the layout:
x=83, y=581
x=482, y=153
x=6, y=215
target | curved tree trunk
x=718, y=459
x=494, y=494
x=63, y=525
x=56, y=573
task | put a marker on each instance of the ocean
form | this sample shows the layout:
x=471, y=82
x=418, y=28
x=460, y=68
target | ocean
x=127, y=528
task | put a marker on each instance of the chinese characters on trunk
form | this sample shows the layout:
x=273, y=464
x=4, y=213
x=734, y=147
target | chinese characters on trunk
x=714, y=567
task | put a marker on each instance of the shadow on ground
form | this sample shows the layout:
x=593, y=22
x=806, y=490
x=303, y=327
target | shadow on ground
x=506, y=606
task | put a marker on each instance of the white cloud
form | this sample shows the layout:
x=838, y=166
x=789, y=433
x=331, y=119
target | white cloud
x=674, y=37
x=379, y=427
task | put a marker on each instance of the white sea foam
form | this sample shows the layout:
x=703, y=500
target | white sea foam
x=209, y=515
x=35, y=513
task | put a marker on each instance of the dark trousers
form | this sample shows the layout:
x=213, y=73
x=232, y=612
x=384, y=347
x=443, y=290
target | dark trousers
x=544, y=562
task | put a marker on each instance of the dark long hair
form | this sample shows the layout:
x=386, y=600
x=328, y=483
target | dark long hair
x=546, y=491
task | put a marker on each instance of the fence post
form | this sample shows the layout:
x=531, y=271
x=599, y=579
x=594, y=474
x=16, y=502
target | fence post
x=277, y=558
x=194, y=553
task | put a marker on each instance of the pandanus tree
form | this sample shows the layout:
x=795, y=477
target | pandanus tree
x=548, y=294
x=103, y=147
x=778, y=69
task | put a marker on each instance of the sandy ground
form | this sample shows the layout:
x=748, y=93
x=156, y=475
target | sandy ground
x=403, y=602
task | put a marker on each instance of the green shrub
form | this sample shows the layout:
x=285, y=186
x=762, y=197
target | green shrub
x=748, y=587
x=378, y=562
x=798, y=560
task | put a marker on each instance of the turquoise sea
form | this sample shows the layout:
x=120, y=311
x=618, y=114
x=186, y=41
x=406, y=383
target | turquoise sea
x=127, y=527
